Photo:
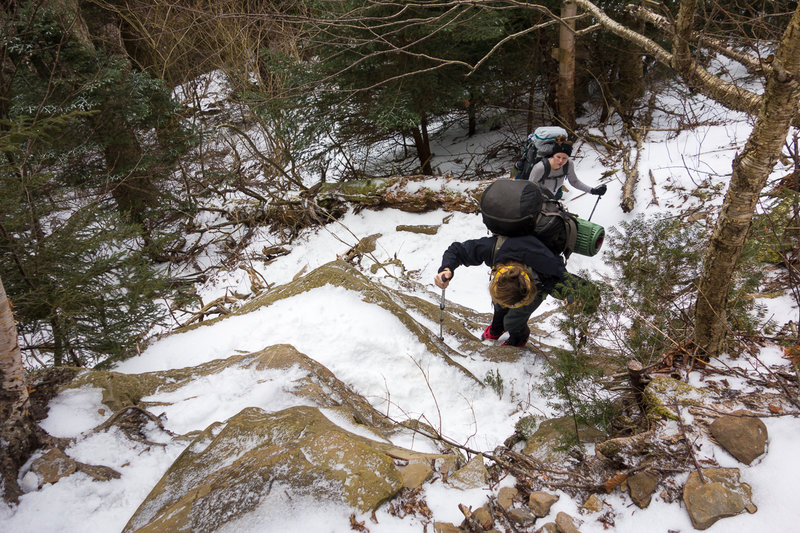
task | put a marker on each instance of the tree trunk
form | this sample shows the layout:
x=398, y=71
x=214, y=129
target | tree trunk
x=751, y=168
x=530, y=116
x=17, y=427
x=566, y=65
x=472, y=116
x=422, y=144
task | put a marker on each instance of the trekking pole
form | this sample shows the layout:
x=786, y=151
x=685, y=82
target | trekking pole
x=441, y=317
x=595, y=207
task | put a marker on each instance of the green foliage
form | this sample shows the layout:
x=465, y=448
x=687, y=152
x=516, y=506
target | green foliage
x=80, y=126
x=372, y=91
x=81, y=289
x=526, y=426
x=572, y=381
x=122, y=125
x=776, y=233
x=658, y=264
x=495, y=381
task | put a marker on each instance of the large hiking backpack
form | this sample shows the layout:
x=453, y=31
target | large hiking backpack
x=538, y=146
x=514, y=208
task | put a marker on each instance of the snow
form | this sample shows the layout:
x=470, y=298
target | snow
x=369, y=349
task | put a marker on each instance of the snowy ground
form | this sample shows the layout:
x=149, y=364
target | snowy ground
x=341, y=331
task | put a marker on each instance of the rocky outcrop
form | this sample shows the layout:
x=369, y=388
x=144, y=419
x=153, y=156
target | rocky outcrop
x=318, y=385
x=231, y=468
x=342, y=274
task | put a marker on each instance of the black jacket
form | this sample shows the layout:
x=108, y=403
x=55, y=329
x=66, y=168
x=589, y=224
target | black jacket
x=527, y=250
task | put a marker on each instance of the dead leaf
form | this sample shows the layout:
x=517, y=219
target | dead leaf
x=775, y=409
x=792, y=353
x=615, y=482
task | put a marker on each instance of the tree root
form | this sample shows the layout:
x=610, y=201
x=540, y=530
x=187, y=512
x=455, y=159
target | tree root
x=131, y=421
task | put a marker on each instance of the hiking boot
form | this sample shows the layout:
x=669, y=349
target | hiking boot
x=518, y=342
x=487, y=334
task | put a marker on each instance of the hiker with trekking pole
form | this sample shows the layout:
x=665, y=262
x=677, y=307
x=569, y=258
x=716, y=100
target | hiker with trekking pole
x=532, y=238
x=545, y=160
x=524, y=272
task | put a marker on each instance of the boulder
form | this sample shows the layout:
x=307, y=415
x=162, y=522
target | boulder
x=483, y=516
x=641, y=487
x=541, y=502
x=415, y=474
x=565, y=524
x=521, y=516
x=446, y=527
x=720, y=496
x=593, y=504
x=506, y=496
x=547, y=443
x=230, y=469
x=471, y=476
x=663, y=394
x=744, y=437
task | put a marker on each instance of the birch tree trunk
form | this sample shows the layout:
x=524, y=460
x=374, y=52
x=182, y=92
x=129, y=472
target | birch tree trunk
x=751, y=168
x=17, y=427
x=566, y=65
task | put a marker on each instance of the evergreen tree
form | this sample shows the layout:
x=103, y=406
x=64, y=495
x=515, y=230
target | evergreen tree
x=85, y=140
x=394, y=69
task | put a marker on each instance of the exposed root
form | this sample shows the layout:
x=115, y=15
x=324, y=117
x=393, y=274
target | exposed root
x=131, y=420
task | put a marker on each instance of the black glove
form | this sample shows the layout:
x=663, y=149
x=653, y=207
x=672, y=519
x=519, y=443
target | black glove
x=599, y=191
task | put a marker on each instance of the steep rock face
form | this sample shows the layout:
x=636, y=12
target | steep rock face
x=228, y=471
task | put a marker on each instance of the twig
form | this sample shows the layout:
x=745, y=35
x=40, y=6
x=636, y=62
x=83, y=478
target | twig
x=689, y=445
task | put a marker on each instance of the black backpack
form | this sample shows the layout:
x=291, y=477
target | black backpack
x=515, y=207
x=538, y=147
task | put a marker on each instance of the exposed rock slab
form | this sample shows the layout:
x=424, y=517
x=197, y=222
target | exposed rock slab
x=318, y=386
x=228, y=471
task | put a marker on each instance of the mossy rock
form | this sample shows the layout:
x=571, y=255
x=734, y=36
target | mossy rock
x=366, y=192
x=551, y=441
x=119, y=390
x=663, y=395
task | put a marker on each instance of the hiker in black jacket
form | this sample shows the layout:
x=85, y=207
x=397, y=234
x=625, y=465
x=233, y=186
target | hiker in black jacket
x=524, y=271
x=551, y=171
